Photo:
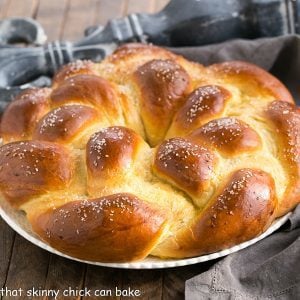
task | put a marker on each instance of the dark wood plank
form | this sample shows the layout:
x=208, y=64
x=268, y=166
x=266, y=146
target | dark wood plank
x=175, y=278
x=147, y=282
x=79, y=16
x=51, y=16
x=103, y=279
x=28, y=267
x=7, y=237
x=64, y=274
x=25, y=8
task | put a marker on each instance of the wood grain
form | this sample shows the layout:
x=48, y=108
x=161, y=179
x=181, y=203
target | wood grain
x=28, y=267
x=64, y=274
x=51, y=15
x=7, y=237
x=4, y=7
x=100, y=278
x=80, y=15
x=175, y=278
x=135, y=6
x=149, y=282
x=107, y=9
x=20, y=8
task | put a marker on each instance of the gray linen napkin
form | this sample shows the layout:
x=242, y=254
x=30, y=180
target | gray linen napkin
x=269, y=269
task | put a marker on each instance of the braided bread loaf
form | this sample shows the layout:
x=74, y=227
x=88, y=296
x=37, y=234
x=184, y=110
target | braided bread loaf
x=147, y=153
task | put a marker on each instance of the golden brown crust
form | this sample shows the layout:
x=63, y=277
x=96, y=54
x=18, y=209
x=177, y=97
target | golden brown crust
x=123, y=63
x=133, y=50
x=63, y=123
x=110, y=149
x=228, y=135
x=286, y=118
x=72, y=69
x=249, y=76
x=203, y=104
x=232, y=160
x=163, y=85
x=23, y=113
x=241, y=211
x=33, y=168
x=116, y=228
x=188, y=165
x=89, y=89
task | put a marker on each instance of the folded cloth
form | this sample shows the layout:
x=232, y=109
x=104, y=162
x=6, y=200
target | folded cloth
x=269, y=269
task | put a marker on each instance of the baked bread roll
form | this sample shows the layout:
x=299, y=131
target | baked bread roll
x=147, y=153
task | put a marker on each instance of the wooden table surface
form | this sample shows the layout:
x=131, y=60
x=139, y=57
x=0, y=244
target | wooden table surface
x=23, y=265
